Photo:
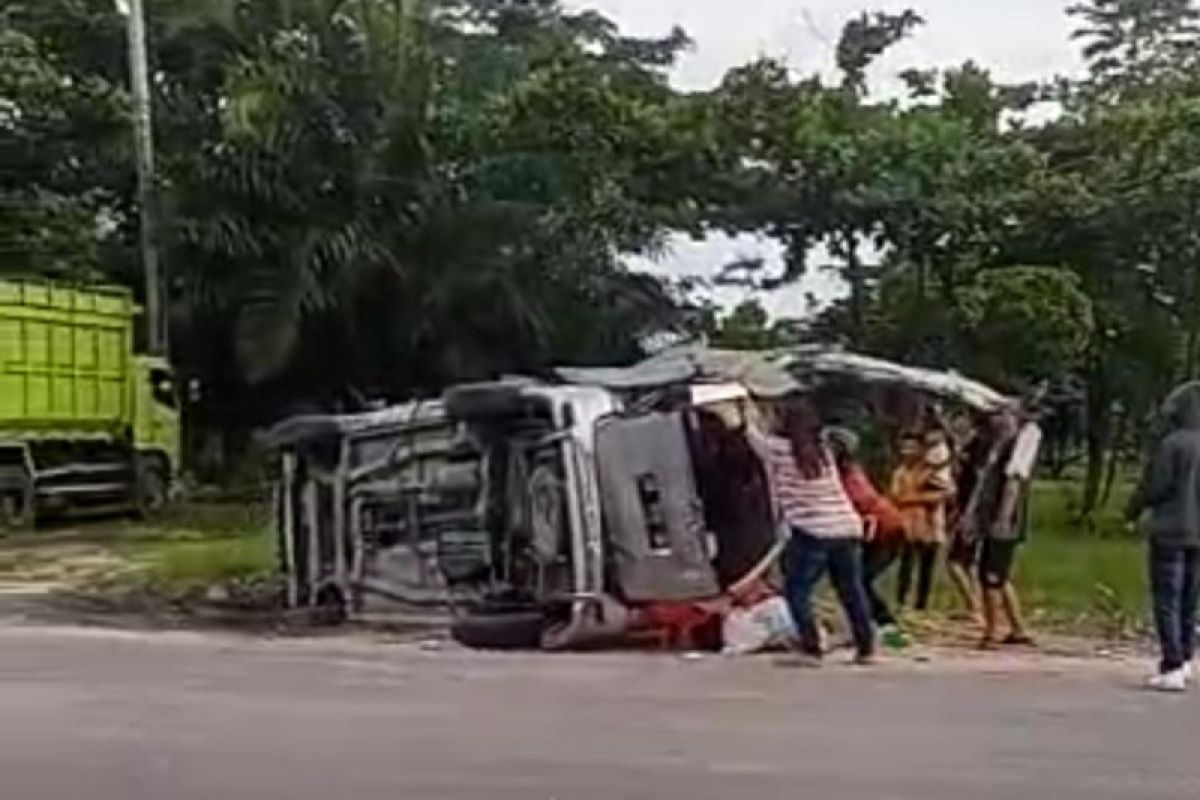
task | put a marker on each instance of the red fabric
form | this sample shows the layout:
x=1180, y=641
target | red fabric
x=684, y=624
x=871, y=505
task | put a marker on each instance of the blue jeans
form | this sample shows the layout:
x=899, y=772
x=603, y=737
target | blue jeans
x=807, y=560
x=1175, y=583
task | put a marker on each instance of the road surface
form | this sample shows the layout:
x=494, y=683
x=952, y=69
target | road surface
x=103, y=715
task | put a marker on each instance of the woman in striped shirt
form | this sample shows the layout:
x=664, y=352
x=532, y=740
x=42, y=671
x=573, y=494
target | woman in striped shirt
x=825, y=531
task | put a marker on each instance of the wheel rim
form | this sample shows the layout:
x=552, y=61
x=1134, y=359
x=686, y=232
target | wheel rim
x=153, y=491
x=14, y=509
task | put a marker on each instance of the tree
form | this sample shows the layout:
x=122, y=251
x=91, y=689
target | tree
x=321, y=161
x=1137, y=46
x=748, y=327
x=1024, y=325
x=56, y=213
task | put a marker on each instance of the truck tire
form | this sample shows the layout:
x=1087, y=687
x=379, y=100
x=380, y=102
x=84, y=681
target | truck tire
x=484, y=400
x=18, y=509
x=508, y=631
x=152, y=489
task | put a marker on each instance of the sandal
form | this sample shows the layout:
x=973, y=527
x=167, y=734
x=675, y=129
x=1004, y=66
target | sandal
x=1015, y=640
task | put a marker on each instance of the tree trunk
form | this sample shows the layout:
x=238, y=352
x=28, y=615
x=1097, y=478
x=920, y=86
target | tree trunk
x=1099, y=428
x=1114, y=457
x=858, y=288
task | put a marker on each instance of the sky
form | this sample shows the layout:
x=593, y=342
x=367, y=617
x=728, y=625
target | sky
x=1016, y=39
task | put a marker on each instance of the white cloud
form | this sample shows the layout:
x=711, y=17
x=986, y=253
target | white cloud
x=1017, y=39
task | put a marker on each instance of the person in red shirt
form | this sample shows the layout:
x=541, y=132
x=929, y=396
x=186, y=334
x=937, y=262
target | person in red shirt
x=883, y=521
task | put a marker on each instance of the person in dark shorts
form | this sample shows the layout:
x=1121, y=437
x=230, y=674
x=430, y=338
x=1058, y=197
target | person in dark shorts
x=999, y=516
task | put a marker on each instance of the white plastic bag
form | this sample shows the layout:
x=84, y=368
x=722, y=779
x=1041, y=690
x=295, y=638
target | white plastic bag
x=760, y=627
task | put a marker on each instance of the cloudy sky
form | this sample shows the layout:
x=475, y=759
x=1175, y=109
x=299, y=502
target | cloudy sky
x=1016, y=39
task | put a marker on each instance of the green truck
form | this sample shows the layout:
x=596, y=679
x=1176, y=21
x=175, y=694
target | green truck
x=83, y=420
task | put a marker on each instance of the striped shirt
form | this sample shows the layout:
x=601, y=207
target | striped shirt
x=817, y=506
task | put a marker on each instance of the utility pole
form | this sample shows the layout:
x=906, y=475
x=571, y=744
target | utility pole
x=139, y=81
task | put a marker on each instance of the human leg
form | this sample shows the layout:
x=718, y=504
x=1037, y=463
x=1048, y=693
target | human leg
x=1190, y=598
x=927, y=554
x=803, y=566
x=1167, y=585
x=877, y=558
x=960, y=563
x=995, y=569
x=905, y=577
x=845, y=572
x=1018, y=631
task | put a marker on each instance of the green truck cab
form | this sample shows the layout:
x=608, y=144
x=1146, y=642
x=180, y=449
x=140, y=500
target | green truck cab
x=83, y=420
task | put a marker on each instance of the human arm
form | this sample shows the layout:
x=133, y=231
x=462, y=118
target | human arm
x=1018, y=472
x=908, y=492
x=754, y=429
x=869, y=503
x=1158, y=481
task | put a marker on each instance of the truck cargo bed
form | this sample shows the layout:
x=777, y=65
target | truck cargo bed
x=65, y=360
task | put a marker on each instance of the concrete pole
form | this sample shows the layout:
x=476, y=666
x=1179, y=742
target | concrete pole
x=139, y=79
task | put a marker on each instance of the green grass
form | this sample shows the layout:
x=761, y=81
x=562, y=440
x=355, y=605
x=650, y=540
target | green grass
x=190, y=549
x=199, y=546
x=1075, y=576
x=187, y=566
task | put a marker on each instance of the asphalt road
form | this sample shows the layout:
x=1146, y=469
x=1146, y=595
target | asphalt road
x=100, y=715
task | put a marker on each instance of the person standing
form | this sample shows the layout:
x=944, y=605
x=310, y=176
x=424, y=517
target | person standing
x=921, y=493
x=1000, y=515
x=825, y=534
x=1169, y=496
x=884, y=529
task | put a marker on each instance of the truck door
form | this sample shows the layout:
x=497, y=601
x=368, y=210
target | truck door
x=156, y=426
x=653, y=516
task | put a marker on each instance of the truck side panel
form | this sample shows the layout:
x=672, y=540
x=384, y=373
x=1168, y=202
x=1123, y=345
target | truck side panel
x=65, y=360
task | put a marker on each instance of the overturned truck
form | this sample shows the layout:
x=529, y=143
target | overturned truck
x=567, y=514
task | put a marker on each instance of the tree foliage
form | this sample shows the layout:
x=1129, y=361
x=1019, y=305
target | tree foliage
x=386, y=195
x=1025, y=324
x=54, y=199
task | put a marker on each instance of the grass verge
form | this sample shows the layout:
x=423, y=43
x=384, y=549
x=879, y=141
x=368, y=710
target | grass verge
x=199, y=547
x=192, y=548
x=1092, y=577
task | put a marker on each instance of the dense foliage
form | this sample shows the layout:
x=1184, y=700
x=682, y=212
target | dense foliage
x=378, y=196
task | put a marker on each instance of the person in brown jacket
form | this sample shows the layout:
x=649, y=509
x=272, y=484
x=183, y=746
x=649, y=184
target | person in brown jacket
x=920, y=492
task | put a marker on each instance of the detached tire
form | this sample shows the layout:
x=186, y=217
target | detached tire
x=152, y=490
x=509, y=631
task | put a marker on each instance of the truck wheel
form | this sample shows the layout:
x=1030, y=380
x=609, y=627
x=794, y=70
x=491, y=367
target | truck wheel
x=17, y=509
x=484, y=400
x=152, y=490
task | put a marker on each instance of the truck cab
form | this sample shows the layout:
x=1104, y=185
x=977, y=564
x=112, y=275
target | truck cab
x=155, y=430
